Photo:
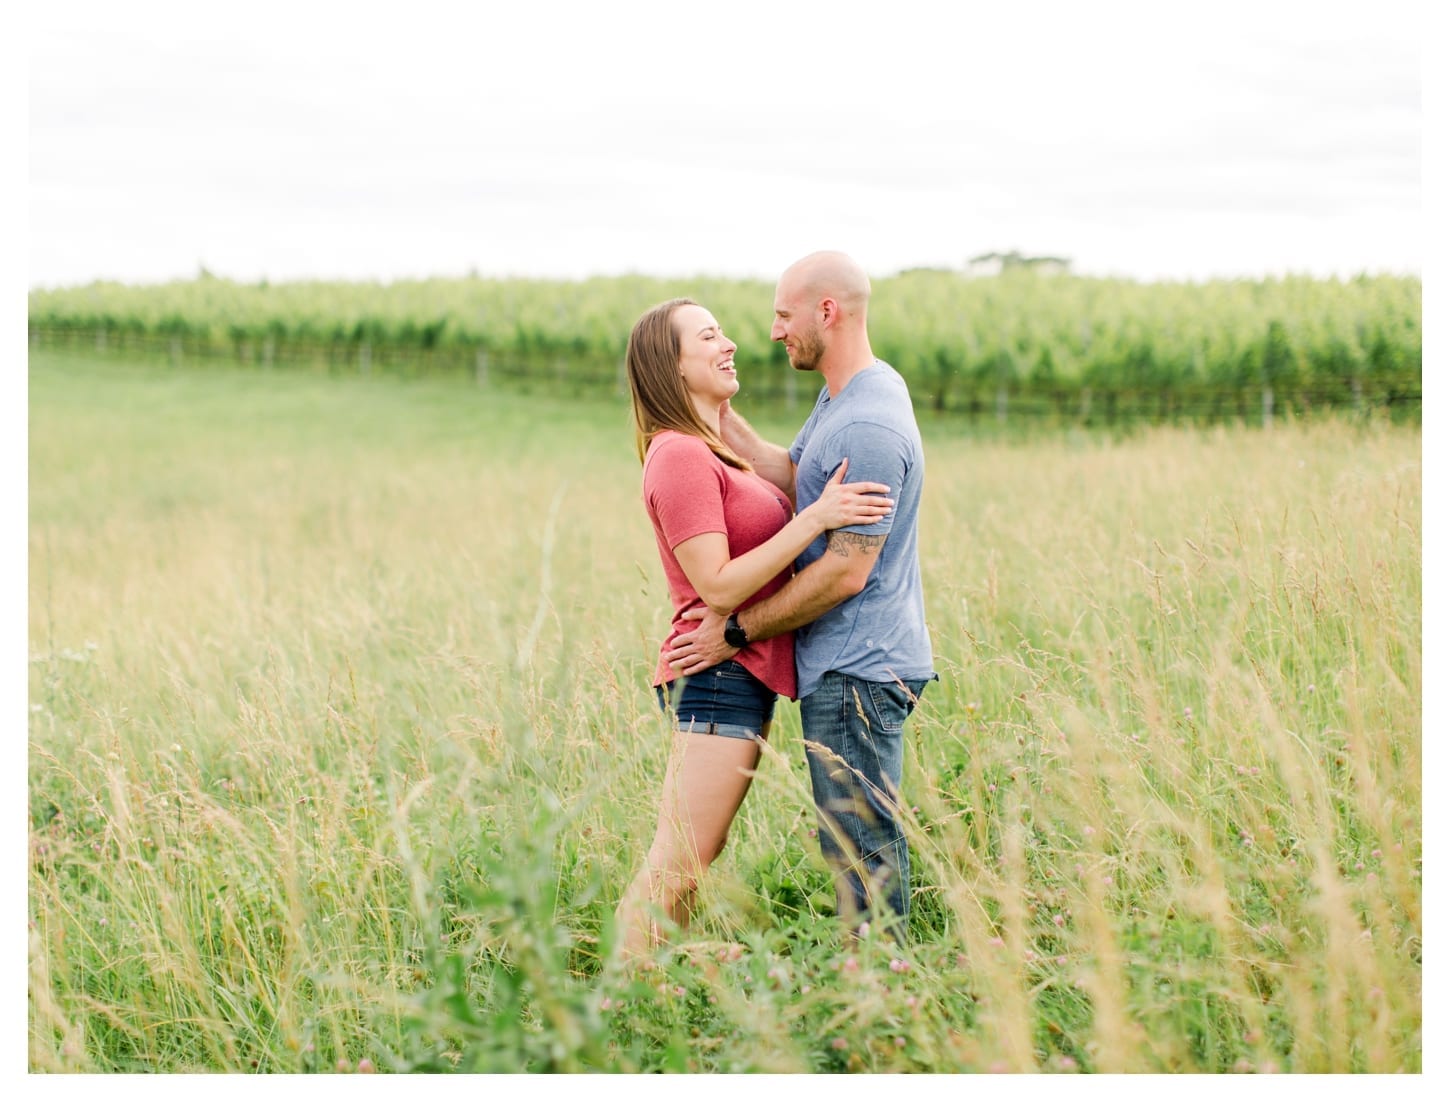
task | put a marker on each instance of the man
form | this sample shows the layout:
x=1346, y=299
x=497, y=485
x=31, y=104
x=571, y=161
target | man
x=862, y=650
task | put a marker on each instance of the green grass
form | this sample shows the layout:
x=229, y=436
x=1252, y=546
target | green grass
x=341, y=749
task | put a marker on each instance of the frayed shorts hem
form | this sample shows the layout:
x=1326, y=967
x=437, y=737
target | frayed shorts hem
x=725, y=730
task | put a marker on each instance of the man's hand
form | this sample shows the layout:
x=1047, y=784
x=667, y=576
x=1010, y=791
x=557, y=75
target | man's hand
x=702, y=648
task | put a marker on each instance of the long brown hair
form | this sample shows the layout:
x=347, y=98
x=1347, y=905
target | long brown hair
x=656, y=388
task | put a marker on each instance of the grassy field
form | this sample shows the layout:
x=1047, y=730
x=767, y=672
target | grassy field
x=341, y=750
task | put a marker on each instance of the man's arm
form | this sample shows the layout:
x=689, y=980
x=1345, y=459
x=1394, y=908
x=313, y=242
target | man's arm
x=837, y=575
x=771, y=461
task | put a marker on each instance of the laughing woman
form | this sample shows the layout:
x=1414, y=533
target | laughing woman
x=727, y=538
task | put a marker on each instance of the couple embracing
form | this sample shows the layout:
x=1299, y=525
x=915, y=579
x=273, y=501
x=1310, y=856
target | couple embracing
x=786, y=579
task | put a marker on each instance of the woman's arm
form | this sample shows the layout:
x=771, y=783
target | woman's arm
x=724, y=583
x=837, y=575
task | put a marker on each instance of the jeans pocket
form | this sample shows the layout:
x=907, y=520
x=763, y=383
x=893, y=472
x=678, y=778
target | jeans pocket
x=893, y=701
x=887, y=701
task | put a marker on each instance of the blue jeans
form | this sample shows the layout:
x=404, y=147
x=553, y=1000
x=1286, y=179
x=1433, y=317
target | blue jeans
x=853, y=731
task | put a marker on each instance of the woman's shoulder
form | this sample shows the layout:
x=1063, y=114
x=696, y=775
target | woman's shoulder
x=678, y=451
x=679, y=442
x=673, y=436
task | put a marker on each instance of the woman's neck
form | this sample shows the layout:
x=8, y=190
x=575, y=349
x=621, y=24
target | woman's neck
x=710, y=414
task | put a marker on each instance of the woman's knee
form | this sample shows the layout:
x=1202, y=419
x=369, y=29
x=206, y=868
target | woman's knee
x=673, y=868
x=683, y=863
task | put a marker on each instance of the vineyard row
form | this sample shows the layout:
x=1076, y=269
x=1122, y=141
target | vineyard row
x=999, y=400
x=962, y=343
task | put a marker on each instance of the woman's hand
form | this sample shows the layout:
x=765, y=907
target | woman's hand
x=843, y=504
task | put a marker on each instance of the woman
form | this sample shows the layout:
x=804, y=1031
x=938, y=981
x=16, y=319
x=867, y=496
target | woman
x=727, y=537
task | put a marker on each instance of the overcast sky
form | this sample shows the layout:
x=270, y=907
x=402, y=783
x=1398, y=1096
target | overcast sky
x=318, y=140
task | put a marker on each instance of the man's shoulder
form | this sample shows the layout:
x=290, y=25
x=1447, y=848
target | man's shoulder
x=877, y=384
x=881, y=399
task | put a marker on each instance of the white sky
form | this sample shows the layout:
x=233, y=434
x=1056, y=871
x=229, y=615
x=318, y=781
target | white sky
x=370, y=141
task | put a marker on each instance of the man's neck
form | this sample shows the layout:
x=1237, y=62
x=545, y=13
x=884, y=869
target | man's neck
x=842, y=368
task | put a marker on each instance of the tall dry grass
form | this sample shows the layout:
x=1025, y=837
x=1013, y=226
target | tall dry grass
x=340, y=751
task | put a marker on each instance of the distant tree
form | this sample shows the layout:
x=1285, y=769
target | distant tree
x=997, y=263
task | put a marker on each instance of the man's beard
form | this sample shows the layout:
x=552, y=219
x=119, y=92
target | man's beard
x=808, y=351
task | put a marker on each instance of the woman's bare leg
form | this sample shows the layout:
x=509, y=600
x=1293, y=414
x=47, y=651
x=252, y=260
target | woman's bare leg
x=705, y=785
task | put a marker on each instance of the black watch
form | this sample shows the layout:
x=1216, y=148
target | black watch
x=734, y=633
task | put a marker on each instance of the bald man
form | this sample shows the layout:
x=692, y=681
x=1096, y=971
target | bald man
x=863, y=654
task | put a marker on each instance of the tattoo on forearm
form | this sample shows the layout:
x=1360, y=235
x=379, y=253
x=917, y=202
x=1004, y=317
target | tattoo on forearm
x=842, y=543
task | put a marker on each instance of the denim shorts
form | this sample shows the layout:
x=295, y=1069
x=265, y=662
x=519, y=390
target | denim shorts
x=724, y=700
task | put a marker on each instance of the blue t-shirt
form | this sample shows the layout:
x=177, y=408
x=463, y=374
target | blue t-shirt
x=880, y=634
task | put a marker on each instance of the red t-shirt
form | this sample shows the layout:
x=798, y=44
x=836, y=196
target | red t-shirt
x=688, y=491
